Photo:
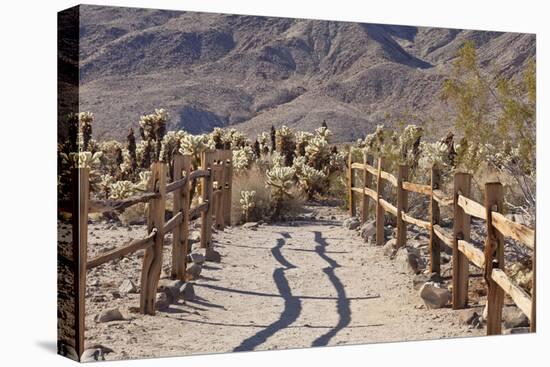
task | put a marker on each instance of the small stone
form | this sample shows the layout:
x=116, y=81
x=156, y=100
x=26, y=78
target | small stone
x=368, y=231
x=197, y=258
x=99, y=298
x=96, y=353
x=116, y=294
x=109, y=315
x=161, y=301
x=351, y=223
x=171, y=288
x=127, y=286
x=250, y=225
x=213, y=256
x=389, y=248
x=469, y=316
x=409, y=260
x=434, y=296
x=187, y=291
x=193, y=271
x=445, y=258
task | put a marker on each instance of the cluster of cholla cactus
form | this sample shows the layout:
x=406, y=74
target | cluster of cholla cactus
x=248, y=203
x=285, y=144
x=152, y=128
x=243, y=159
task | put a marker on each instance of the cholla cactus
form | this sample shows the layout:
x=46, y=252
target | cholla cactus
x=324, y=132
x=318, y=152
x=242, y=159
x=236, y=139
x=144, y=179
x=248, y=203
x=105, y=183
x=434, y=154
x=152, y=128
x=144, y=153
x=302, y=140
x=409, y=144
x=311, y=180
x=121, y=190
x=170, y=145
x=279, y=180
x=85, y=135
x=285, y=144
x=112, y=156
x=195, y=145
x=277, y=160
x=264, y=140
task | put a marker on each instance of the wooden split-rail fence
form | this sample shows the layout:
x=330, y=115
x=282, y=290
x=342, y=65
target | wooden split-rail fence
x=464, y=253
x=214, y=209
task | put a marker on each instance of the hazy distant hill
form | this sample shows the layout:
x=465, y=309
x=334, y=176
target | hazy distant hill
x=213, y=70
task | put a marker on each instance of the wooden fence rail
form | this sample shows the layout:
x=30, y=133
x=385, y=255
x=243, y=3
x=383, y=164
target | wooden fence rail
x=490, y=260
x=214, y=208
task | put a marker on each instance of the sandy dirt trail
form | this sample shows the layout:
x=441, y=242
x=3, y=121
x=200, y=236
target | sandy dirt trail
x=290, y=285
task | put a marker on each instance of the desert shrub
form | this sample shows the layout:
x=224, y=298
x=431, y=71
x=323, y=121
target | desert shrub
x=252, y=180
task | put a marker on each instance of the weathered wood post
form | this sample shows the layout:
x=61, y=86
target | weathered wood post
x=379, y=208
x=220, y=200
x=494, y=258
x=80, y=201
x=461, y=231
x=206, y=196
x=367, y=183
x=152, y=260
x=228, y=187
x=435, y=219
x=402, y=203
x=182, y=168
x=351, y=199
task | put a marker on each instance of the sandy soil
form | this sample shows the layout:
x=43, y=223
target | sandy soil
x=305, y=283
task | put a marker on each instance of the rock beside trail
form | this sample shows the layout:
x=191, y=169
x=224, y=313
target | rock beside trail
x=389, y=248
x=197, y=257
x=351, y=223
x=513, y=317
x=162, y=301
x=187, y=291
x=471, y=317
x=434, y=296
x=250, y=225
x=109, y=315
x=171, y=288
x=96, y=353
x=127, y=286
x=213, y=256
x=193, y=271
x=368, y=231
x=409, y=259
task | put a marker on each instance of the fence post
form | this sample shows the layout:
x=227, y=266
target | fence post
x=435, y=219
x=186, y=205
x=402, y=203
x=494, y=258
x=379, y=208
x=350, y=185
x=206, y=195
x=177, y=234
x=461, y=231
x=152, y=260
x=80, y=195
x=367, y=182
x=228, y=187
x=220, y=200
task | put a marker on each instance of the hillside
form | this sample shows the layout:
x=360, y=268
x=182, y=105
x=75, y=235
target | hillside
x=213, y=70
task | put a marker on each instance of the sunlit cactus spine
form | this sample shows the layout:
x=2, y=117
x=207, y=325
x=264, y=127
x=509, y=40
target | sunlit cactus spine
x=121, y=190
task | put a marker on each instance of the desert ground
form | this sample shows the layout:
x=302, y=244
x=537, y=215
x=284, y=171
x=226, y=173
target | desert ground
x=302, y=283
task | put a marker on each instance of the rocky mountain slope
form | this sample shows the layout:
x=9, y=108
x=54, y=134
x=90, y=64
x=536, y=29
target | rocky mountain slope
x=213, y=70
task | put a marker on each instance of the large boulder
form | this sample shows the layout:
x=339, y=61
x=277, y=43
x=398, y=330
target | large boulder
x=434, y=296
x=351, y=223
